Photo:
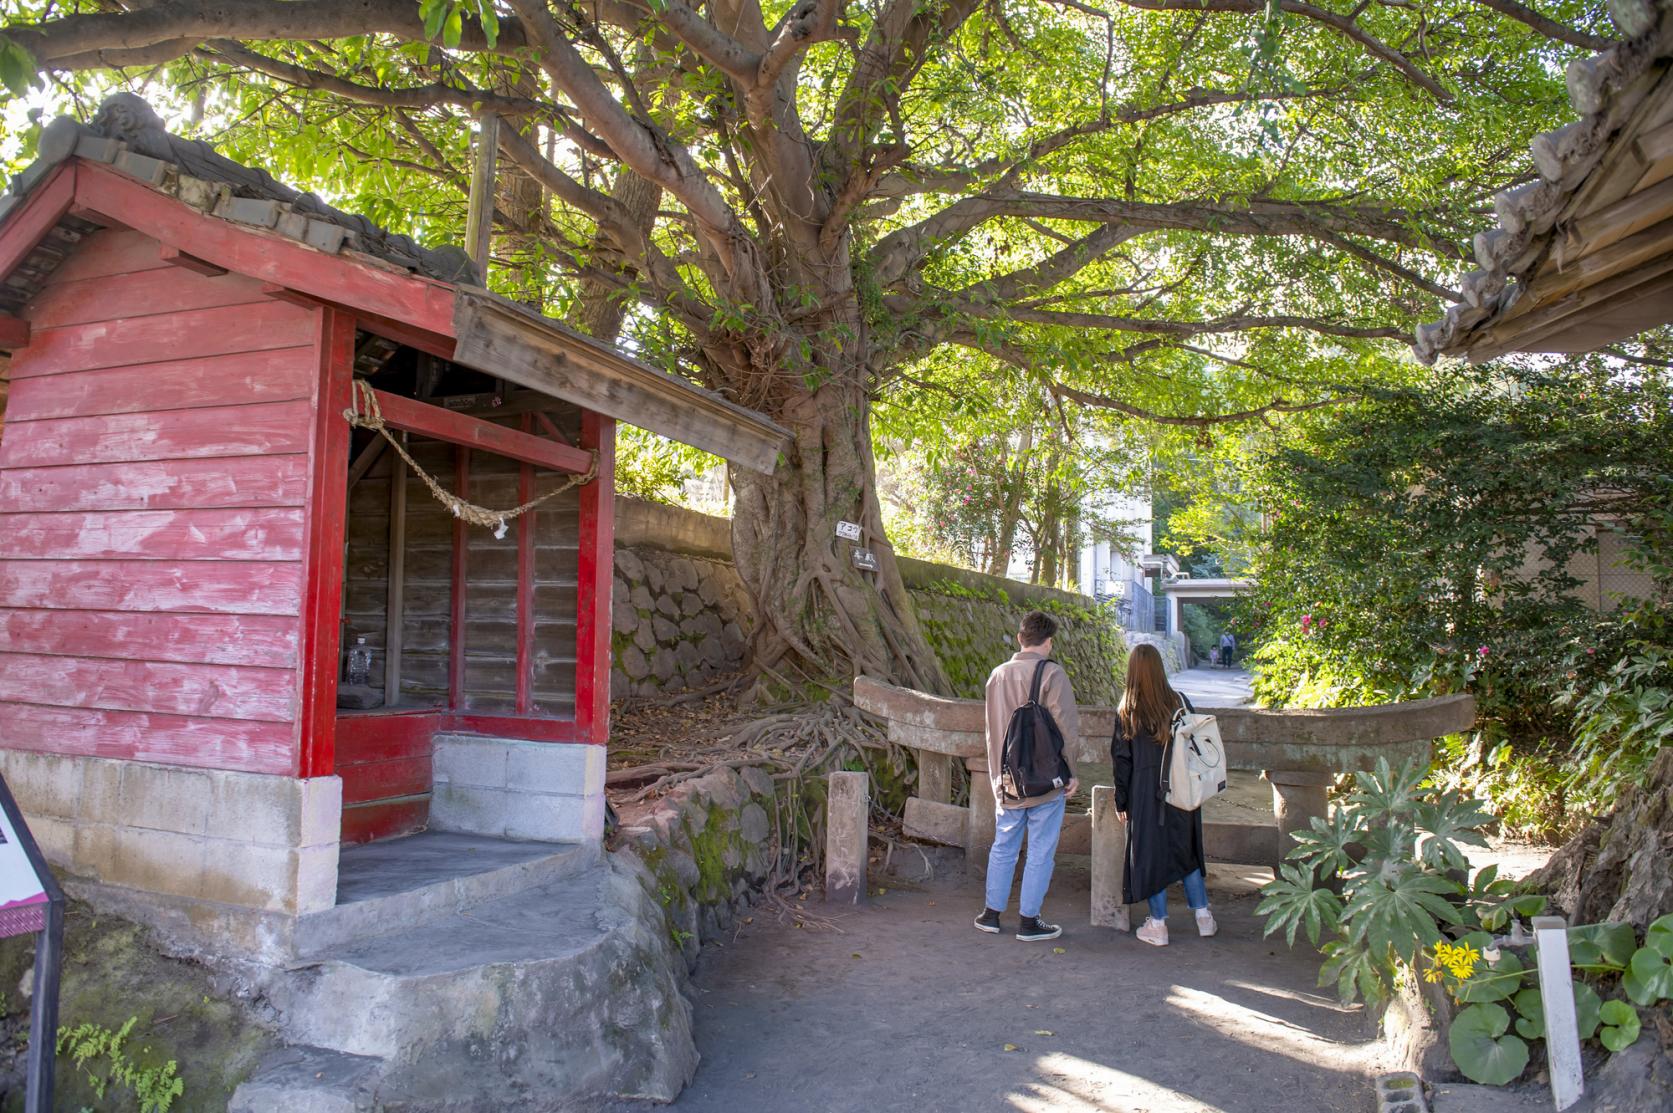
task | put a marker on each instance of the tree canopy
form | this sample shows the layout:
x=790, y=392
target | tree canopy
x=1188, y=213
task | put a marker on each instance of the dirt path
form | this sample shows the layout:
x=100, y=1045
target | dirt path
x=910, y=1008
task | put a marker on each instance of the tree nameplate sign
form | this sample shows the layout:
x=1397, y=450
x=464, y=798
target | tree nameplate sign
x=23, y=895
x=865, y=560
x=848, y=531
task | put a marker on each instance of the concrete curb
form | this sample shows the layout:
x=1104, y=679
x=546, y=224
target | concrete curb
x=1401, y=1092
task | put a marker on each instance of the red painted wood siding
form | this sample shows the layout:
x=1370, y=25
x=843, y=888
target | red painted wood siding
x=154, y=484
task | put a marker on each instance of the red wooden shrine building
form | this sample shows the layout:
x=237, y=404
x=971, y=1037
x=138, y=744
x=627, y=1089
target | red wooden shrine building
x=195, y=535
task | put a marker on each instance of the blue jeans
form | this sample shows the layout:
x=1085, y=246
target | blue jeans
x=1196, y=895
x=1044, y=823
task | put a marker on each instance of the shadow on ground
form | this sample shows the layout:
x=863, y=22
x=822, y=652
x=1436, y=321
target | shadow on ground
x=906, y=1006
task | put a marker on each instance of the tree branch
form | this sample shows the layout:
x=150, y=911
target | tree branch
x=1192, y=421
x=1550, y=28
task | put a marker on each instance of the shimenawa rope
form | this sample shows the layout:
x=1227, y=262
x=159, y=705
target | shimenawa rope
x=366, y=414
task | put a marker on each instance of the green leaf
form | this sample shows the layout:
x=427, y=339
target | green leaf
x=434, y=13
x=1481, y=1047
x=1660, y=935
x=1530, y=1005
x=17, y=68
x=1601, y=944
x=1498, y=982
x=1649, y=976
x=453, y=28
x=1621, y=1025
x=1291, y=902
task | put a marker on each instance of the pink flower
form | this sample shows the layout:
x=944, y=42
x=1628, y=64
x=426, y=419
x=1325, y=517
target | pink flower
x=1589, y=652
x=1481, y=651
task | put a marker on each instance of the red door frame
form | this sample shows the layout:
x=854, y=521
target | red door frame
x=321, y=721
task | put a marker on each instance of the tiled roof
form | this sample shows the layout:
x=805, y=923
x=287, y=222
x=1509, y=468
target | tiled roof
x=1617, y=94
x=127, y=134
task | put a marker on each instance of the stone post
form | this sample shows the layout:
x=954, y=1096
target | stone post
x=1109, y=862
x=1296, y=799
x=983, y=815
x=846, y=810
x=935, y=777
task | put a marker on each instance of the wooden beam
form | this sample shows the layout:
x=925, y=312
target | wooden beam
x=14, y=332
x=551, y=430
x=512, y=342
x=461, y=583
x=1644, y=306
x=472, y=432
x=39, y=213
x=1514, y=333
x=395, y=609
x=1613, y=223
x=327, y=513
x=175, y=257
x=366, y=461
x=1625, y=255
x=108, y=194
x=596, y=575
x=1655, y=145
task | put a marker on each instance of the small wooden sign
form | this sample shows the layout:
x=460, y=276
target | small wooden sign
x=865, y=559
x=848, y=531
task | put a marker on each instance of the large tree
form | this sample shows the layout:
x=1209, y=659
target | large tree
x=1187, y=211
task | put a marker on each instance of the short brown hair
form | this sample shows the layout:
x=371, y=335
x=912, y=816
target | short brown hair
x=1037, y=626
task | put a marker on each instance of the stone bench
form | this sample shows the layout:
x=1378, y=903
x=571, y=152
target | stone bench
x=1299, y=752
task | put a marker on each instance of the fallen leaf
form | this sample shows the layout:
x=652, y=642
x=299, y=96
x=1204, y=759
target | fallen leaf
x=856, y=954
x=932, y=904
x=1059, y=950
x=1044, y=1032
x=749, y=1074
x=882, y=892
x=1012, y=1047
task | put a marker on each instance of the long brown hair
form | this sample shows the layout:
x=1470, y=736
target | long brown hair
x=1148, y=701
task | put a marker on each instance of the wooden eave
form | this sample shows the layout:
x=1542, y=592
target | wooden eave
x=467, y=325
x=515, y=343
x=1583, y=255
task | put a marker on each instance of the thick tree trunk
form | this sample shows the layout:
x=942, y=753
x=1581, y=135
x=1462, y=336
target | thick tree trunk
x=820, y=617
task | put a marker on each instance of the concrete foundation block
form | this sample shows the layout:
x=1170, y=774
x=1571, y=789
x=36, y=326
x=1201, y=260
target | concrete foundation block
x=321, y=807
x=160, y=862
x=545, y=767
x=316, y=878
x=461, y=759
x=165, y=798
x=42, y=784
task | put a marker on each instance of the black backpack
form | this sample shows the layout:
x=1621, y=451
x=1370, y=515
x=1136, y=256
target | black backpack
x=1032, y=762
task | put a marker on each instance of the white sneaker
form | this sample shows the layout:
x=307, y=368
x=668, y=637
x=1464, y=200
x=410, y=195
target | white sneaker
x=1154, y=932
x=1205, y=923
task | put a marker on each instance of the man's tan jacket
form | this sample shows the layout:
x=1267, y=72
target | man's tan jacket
x=1007, y=690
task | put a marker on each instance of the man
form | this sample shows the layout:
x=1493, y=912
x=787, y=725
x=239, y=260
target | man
x=1228, y=648
x=1040, y=816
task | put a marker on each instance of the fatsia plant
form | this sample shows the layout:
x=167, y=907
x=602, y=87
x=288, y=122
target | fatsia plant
x=1393, y=852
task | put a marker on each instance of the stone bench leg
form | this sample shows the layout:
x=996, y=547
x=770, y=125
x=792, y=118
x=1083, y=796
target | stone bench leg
x=1109, y=863
x=1296, y=798
x=983, y=815
x=935, y=777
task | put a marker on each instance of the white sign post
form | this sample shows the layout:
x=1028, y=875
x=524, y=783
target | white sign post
x=848, y=531
x=1562, y=1030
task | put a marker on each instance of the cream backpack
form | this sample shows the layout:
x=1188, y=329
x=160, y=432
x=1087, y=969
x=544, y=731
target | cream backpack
x=1194, y=768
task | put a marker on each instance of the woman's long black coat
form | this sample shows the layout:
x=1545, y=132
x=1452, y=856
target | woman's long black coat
x=1163, y=843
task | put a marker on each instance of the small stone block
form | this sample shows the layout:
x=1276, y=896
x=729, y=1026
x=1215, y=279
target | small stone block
x=200, y=194
x=8, y=203
x=249, y=210
x=326, y=236
x=292, y=225
x=99, y=148
x=149, y=170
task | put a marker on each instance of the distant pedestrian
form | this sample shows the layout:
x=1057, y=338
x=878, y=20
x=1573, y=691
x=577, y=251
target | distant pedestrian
x=1040, y=815
x=1164, y=844
x=1228, y=648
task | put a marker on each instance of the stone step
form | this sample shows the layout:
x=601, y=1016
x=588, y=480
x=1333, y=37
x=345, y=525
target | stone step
x=404, y=883
x=572, y=987
x=309, y=1080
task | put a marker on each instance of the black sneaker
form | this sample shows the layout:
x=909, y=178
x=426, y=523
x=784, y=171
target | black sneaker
x=988, y=921
x=1033, y=930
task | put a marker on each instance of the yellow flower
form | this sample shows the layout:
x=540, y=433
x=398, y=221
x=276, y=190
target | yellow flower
x=1433, y=974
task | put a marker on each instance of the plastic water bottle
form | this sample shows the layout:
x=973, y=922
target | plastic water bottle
x=360, y=661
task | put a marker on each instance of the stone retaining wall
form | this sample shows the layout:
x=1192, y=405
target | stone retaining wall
x=681, y=615
x=708, y=849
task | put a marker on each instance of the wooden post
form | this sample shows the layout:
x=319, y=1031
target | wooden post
x=935, y=777
x=847, y=806
x=1109, y=862
x=1562, y=1032
x=395, y=612
x=479, y=222
x=983, y=815
x=1296, y=798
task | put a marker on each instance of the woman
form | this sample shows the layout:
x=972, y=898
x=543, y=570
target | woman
x=1164, y=844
